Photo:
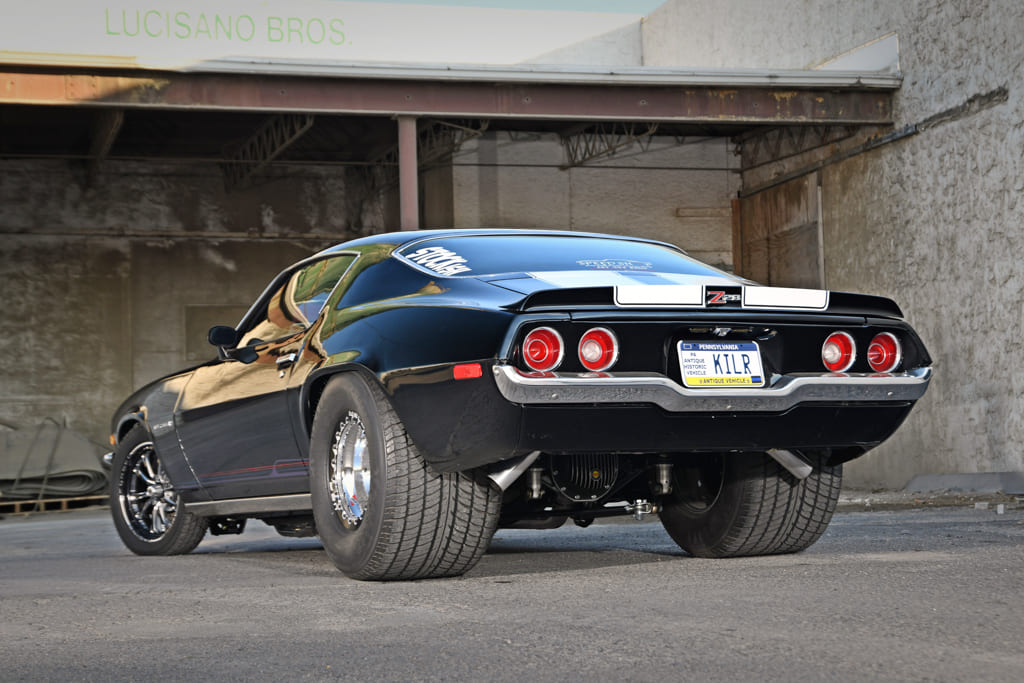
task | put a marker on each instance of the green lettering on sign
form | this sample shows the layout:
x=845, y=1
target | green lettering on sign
x=182, y=25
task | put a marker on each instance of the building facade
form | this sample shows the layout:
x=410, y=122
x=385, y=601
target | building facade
x=123, y=237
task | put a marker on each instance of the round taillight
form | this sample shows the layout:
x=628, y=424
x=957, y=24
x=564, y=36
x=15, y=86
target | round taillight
x=599, y=349
x=838, y=352
x=543, y=349
x=884, y=353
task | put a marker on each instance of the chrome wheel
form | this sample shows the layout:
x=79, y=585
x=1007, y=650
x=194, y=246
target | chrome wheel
x=405, y=521
x=147, y=498
x=349, y=471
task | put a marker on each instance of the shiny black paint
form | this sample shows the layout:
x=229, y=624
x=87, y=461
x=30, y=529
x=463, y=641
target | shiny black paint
x=457, y=424
x=244, y=426
x=601, y=298
x=787, y=344
x=648, y=429
x=235, y=429
x=152, y=408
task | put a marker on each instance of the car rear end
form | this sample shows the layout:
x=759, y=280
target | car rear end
x=633, y=379
x=800, y=369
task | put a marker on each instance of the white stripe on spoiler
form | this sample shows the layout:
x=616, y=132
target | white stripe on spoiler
x=785, y=297
x=659, y=295
x=693, y=296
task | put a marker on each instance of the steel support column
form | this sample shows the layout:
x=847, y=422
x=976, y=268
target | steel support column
x=408, y=174
x=108, y=125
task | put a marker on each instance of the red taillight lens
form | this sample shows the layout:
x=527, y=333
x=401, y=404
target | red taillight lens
x=599, y=349
x=543, y=349
x=884, y=353
x=838, y=352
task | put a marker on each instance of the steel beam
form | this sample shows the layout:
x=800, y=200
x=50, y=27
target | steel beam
x=272, y=138
x=780, y=143
x=438, y=140
x=600, y=140
x=566, y=101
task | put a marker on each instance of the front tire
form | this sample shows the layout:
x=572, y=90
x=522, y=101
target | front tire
x=148, y=513
x=381, y=513
x=747, y=504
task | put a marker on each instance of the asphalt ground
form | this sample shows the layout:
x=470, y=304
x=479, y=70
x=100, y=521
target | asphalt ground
x=911, y=593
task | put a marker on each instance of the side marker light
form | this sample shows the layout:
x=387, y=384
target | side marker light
x=468, y=371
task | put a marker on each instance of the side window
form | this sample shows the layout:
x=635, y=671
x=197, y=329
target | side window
x=313, y=284
x=293, y=306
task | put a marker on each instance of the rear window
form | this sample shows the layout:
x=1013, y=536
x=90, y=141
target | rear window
x=477, y=255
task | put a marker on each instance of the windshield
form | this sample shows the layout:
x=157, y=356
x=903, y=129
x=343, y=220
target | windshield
x=478, y=255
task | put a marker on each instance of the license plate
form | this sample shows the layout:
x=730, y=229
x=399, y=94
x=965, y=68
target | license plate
x=709, y=365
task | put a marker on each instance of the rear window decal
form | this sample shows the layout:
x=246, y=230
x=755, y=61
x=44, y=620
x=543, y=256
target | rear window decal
x=439, y=260
x=615, y=264
x=475, y=255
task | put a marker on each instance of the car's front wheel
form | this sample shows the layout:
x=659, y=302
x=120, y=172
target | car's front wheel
x=381, y=513
x=148, y=513
x=747, y=504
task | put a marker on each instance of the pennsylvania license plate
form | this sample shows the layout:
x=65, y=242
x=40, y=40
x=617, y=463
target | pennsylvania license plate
x=720, y=364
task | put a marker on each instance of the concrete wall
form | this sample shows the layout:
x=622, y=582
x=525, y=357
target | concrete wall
x=104, y=289
x=935, y=220
x=678, y=193
x=110, y=286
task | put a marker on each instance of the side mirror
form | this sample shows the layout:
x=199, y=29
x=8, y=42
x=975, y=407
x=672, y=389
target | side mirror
x=223, y=336
x=226, y=339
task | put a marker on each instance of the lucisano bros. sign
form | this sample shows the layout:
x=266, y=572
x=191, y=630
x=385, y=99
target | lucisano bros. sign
x=181, y=25
x=182, y=34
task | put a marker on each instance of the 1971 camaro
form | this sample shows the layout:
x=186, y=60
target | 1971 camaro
x=403, y=395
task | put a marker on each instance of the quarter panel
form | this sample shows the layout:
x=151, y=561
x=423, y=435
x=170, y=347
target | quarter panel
x=456, y=424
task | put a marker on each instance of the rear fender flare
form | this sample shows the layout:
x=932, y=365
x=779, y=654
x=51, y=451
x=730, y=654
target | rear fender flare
x=314, y=386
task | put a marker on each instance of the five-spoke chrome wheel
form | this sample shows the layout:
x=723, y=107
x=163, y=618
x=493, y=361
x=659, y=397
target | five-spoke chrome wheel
x=349, y=471
x=149, y=514
x=147, y=497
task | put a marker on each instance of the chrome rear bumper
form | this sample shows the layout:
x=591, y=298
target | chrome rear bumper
x=785, y=392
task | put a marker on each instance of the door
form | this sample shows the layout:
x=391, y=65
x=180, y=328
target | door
x=233, y=418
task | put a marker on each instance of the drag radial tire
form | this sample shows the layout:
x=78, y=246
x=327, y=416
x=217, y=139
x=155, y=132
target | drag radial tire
x=747, y=504
x=148, y=513
x=381, y=513
x=812, y=502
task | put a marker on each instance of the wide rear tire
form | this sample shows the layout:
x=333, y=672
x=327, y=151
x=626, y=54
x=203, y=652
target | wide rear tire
x=381, y=513
x=747, y=504
x=812, y=502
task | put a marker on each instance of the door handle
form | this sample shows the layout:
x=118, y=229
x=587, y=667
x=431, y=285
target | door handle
x=286, y=361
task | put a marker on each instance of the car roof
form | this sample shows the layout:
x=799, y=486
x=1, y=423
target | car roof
x=407, y=237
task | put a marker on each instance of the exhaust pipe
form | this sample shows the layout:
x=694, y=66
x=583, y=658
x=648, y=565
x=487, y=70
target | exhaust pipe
x=796, y=465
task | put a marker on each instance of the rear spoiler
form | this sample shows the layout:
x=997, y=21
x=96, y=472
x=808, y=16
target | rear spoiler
x=732, y=299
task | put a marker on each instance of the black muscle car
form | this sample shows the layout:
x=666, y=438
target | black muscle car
x=403, y=395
